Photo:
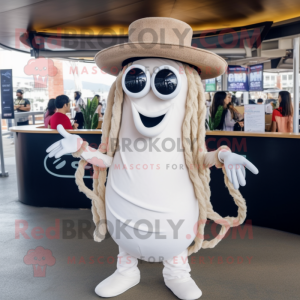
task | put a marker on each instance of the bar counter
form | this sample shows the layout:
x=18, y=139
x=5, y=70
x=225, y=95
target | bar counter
x=272, y=196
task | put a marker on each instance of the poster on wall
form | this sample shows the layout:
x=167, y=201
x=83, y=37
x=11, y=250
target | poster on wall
x=256, y=78
x=254, y=118
x=210, y=85
x=7, y=101
x=237, y=79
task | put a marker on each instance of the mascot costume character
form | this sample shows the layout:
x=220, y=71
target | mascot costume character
x=153, y=140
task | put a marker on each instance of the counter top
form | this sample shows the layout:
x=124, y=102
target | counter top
x=255, y=134
x=40, y=129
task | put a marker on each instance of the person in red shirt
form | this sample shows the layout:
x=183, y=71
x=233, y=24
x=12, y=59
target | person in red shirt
x=282, y=117
x=62, y=104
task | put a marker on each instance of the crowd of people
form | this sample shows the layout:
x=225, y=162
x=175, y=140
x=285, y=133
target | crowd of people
x=221, y=112
x=57, y=109
x=222, y=115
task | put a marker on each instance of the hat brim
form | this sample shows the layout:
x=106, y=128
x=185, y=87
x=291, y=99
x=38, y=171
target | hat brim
x=110, y=59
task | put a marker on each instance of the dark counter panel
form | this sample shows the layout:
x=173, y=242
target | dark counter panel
x=271, y=196
x=44, y=181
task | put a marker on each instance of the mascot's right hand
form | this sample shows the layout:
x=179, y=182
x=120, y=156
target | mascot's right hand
x=71, y=143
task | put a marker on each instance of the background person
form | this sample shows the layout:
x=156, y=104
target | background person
x=216, y=110
x=282, y=117
x=98, y=97
x=237, y=117
x=234, y=100
x=228, y=97
x=222, y=116
x=208, y=105
x=79, y=116
x=22, y=105
x=50, y=111
x=268, y=106
x=100, y=116
x=260, y=101
x=62, y=103
x=99, y=108
x=103, y=106
x=99, y=111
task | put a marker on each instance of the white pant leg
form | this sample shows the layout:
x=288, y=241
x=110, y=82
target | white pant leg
x=125, y=277
x=127, y=264
x=177, y=267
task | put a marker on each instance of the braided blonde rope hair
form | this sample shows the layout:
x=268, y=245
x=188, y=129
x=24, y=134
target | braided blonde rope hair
x=193, y=132
x=194, y=128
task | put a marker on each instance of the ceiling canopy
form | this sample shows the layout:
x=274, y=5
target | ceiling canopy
x=80, y=24
x=113, y=17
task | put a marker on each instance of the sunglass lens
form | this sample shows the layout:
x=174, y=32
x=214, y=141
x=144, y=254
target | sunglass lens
x=135, y=80
x=165, y=82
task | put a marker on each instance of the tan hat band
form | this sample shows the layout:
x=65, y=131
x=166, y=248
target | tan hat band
x=172, y=36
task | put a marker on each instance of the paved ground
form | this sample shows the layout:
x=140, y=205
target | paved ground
x=263, y=264
x=9, y=149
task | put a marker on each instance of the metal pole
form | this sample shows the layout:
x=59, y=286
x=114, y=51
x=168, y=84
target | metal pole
x=296, y=83
x=246, y=97
x=3, y=172
x=224, y=82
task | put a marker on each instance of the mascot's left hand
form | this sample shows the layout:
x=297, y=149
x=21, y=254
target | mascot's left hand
x=235, y=165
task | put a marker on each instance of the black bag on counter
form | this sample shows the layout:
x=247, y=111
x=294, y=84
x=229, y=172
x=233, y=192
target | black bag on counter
x=238, y=127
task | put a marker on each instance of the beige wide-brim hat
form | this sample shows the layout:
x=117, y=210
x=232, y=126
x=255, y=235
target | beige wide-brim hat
x=163, y=38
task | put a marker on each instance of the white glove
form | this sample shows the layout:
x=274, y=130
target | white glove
x=235, y=167
x=71, y=143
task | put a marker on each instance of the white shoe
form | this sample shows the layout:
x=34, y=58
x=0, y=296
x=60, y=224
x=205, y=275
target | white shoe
x=116, y=284
x=184, y=288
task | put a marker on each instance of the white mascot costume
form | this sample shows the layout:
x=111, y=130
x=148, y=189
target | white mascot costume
x=157, y=197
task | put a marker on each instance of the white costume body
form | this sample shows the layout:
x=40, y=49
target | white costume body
x=144, y=186
x=149, y=192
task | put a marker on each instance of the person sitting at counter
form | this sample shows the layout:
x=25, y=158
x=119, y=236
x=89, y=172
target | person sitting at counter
x=62, y=103
x=282, y=117
x=222, y=114
x=50, y=111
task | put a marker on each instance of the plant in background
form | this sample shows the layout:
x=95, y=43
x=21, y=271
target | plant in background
x=213, y=124
x=89, y=113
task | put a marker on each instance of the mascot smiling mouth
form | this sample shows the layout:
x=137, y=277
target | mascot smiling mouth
x=150, y=124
